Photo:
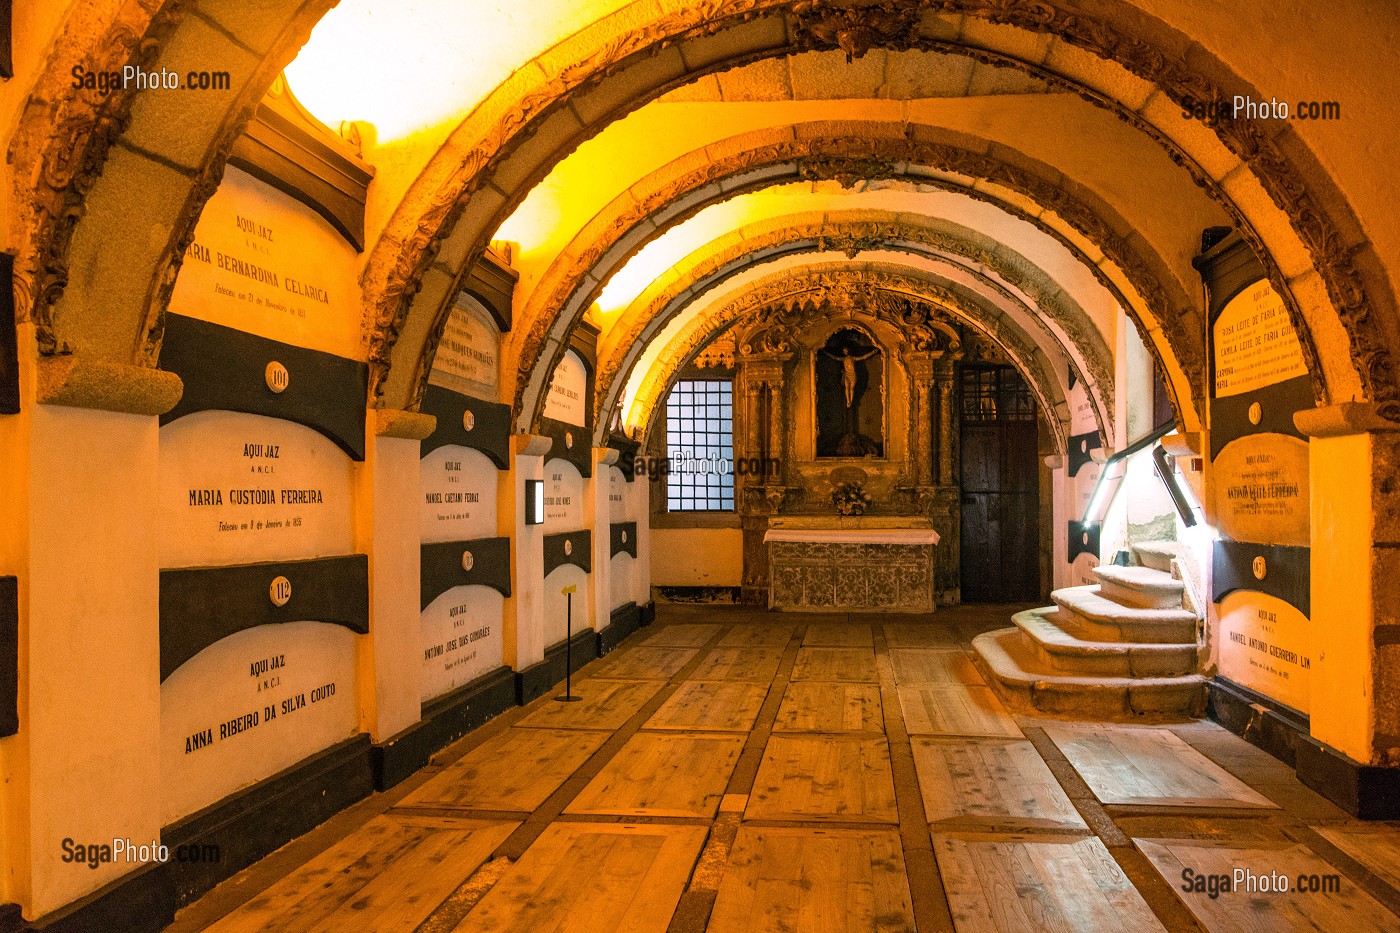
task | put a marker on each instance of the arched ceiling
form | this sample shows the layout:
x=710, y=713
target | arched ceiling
x=1065, y=119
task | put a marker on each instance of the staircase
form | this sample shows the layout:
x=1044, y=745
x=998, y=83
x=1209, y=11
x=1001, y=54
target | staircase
x=1122, y=649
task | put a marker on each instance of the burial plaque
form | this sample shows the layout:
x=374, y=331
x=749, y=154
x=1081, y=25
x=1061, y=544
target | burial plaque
x=251, y=705
x=568, y=393
x=461, y=638
x=459, y=495
x=237, y=488
x=267, y=264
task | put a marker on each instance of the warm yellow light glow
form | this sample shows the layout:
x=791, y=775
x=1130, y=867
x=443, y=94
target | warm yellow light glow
x=408, y=65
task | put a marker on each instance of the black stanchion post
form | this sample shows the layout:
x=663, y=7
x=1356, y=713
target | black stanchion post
x=568, y=696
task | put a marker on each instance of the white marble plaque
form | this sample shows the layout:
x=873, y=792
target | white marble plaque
x=251, y=705
x=469, y=351
x=461, y=638
x=556, y=603
x=1254, y=342
x=237, y=488
x=1261, y=489
x=621, y=507
x=568, y=391
x=459, y=495
x=266, y=264
x=620, y=579
x=563, y=496
x=1265, y=645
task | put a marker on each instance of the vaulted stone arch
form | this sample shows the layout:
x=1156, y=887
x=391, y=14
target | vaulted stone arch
x=106, y=196
x=919, y=155
x=1148, y=52
x=817, y=281
x=1117, y=57
x=708, y=269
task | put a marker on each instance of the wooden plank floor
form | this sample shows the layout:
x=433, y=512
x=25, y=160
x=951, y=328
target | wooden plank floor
x=839, y=635
x=605, y=704
x=782, y=880
x=921, y=635
x=1239, y=909
x=764, y=635
x=848, y=664
x=754, y=665
x=1030, y=884
x=955, y=709
x=846, y=778
x=1151, y=766
x=724, y=706
x=812, y=706
x=933, y=666
x=860, y=785
x=592, y=878
x=387, y=877
x=663, y=774
x=516, y=770
x=644, y=663
x=1007, y=785
x=694, y=635
x=1377, y=847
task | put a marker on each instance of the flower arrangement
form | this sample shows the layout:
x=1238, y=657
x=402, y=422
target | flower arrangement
x=850, y=499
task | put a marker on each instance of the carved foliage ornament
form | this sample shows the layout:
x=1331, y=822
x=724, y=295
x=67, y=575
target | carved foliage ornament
x=855, y=30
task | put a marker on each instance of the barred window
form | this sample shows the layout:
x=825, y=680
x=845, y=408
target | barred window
x=995, y=393
x=700, y=445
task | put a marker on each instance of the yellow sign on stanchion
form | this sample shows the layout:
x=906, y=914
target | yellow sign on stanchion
x=568, y=696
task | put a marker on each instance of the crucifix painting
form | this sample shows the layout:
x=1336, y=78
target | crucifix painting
x=849, y=396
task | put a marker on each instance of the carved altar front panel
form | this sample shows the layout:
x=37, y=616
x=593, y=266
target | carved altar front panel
x=818, y=576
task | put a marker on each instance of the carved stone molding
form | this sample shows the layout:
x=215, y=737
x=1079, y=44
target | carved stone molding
x=657, y=305
x=1144, y=46
x=80, y=133
x=773, y=298
x=563, y=284
x=855, y=30
x=69, y=379
x=61, y=144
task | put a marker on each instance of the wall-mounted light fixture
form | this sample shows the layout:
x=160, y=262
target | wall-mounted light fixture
x=534, y=502
x=1111, y=476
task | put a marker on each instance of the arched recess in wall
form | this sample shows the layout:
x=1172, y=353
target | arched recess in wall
x=1073, y=339
x=1001, y=275
x=840, y=280
x=1118, y=58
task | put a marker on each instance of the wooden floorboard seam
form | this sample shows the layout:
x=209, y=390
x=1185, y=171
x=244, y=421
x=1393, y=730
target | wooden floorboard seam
x=931, y=911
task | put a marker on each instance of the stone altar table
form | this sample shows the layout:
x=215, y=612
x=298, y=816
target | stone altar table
x=839, y=564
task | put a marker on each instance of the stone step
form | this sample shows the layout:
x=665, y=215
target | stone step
x=1142, y=587
x=1157, y=554
x=1062, y=653
x=1092, y=617
x=1016, y=673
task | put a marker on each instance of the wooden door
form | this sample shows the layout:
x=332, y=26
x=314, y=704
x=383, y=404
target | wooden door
x=1000, y=487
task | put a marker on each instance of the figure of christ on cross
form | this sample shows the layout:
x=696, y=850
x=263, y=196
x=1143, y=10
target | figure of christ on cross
x=848, y=371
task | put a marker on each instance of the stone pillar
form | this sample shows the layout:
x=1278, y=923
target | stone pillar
x=639, y=491
x=524, y=609
x=77, y=500
x=387, y=530
x=1354, y=475
x=946, y=476
x=1059, y=522
x=598, y=519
